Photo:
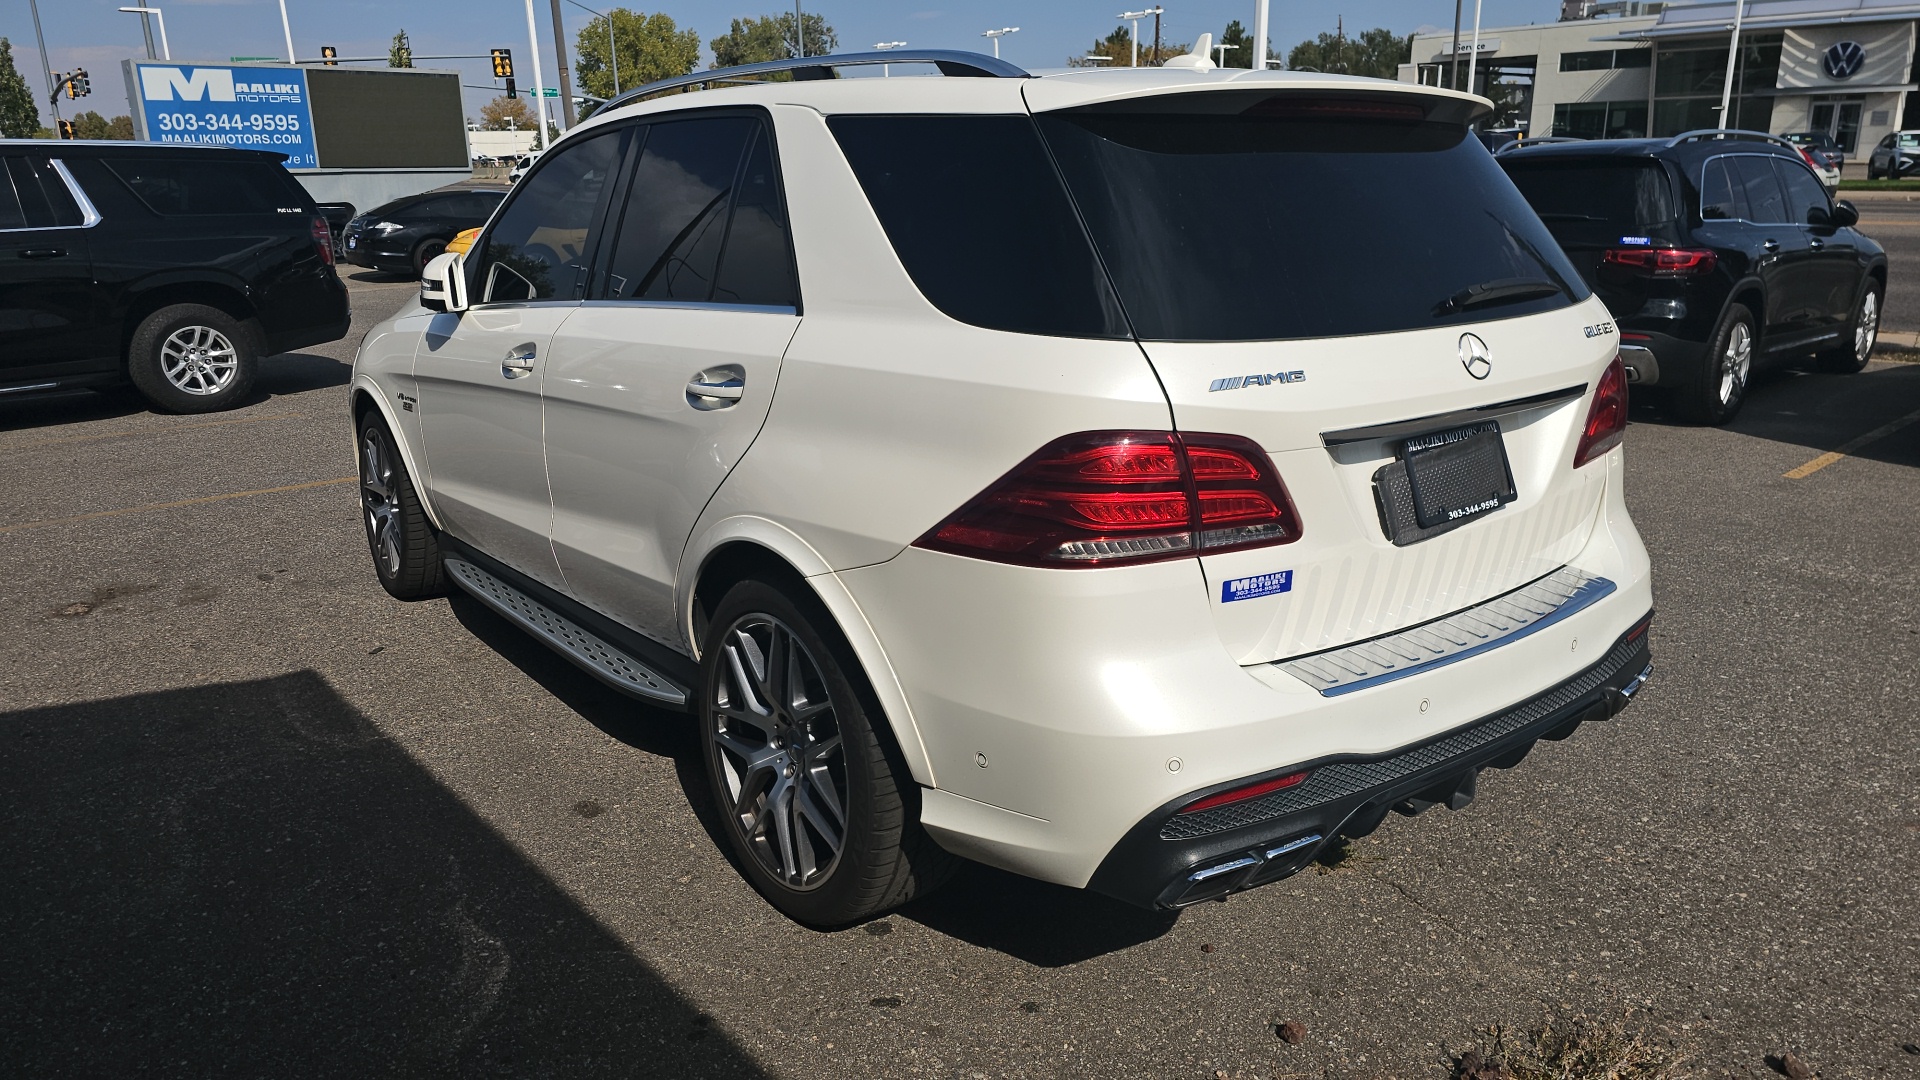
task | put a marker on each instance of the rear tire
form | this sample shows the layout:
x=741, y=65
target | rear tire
x=1857, y=345
x=405, y=548
x=816, y=803
x=1715, y=398
x=190, y=358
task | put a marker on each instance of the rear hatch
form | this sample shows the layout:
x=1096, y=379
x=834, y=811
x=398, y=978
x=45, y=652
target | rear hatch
x=1333, y=273
x=1593, y=204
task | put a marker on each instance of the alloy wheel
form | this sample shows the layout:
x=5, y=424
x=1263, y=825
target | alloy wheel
x=377, y=500
x=1867, y=327
x=777, y=738
x=199, y=360
x=1735, y=363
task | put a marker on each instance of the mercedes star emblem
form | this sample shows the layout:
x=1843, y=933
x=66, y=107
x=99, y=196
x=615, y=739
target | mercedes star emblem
x=1475, y=357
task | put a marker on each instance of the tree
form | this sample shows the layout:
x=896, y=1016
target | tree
x=91, y=125
x=1375, y=53
x=19, y=113
x=506, y=114
x=120, y=127
x=400, y=53
x=754, y=41
x=1117, y=46
x=650, y=47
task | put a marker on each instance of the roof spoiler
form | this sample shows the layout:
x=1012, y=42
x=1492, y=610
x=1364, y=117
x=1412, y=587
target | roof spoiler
x=951, y=62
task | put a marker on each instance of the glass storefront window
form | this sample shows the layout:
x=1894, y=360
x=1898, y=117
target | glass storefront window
x=1601, y=119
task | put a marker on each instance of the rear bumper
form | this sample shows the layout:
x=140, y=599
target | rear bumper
x=1171, y=859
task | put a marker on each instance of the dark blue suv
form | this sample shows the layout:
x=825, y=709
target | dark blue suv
x=1718, y=252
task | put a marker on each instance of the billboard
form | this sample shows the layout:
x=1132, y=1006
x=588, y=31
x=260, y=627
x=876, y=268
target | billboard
x=237, y=105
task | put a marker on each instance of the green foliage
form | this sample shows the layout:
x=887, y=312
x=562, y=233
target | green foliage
x=1118, y=46
x=1377, y=53
x=400, y=53
x=755, y=41
x=19, y=114
x=650, y=47
x=91, y=125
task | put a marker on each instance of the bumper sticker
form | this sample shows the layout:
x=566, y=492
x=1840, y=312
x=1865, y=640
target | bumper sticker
x=1247, y=588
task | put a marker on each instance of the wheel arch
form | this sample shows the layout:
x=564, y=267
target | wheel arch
x=231, y=297
x=742, y=547
x=365, y=397
x=1751, y=293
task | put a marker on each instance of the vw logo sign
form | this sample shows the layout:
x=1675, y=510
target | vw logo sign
x=1843, y=59
x=1475, y=356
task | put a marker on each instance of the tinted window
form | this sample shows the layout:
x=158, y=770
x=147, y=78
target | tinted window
x=208, y=185
x=1753, y=176
x=977, y=216
x=32, y=195
x=1588, y=201
x=1721, y=199
x=757, y=266
x=1259, y=224
x=668, y=244
x=1806, y=198
x=537, y=250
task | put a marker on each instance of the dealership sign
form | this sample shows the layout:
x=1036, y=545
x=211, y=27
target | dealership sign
x=250, y=108
x=1843, y=59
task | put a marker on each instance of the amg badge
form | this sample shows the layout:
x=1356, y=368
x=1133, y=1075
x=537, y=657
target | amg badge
x=1238, y=382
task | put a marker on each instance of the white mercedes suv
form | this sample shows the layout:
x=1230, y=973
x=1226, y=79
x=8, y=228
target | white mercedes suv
x=1132, y=479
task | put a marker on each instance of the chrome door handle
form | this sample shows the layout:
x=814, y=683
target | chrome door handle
x=716, y=388
x=519, y=362
x=43, y=253
x=1770, y=245
x=1816, y=244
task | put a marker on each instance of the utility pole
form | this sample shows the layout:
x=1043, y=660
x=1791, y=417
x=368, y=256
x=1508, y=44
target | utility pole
x=53, y=89
x=1733, y=51
x=285, y=28
x=1260, y=36
x=1156, y=35
x=539, y=81
x=1473, y=58
x=799, y=30
x=566, y=81
x=1453, y=59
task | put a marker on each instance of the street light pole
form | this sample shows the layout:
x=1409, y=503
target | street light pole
x=1260, y=36
x=1733, y=51
x=53, y=89
x=539, y=80
x=1473, y=58
x=287, y=29
x=886, y=70
x=996, y=35
x=1134, y=17
x=613, y=50
x=160, y=17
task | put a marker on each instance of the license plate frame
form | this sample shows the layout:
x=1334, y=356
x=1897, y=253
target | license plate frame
x=1458, y=474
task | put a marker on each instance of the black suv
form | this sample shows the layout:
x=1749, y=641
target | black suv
x=1716, y=251
x=406, y=234
x=170, y=268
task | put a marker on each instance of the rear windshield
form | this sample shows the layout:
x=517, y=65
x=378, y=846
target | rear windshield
x=1589, y=202
x=180, y=186
x=1218, y=227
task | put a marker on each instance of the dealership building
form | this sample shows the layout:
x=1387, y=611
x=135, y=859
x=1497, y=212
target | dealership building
x=1619, y=70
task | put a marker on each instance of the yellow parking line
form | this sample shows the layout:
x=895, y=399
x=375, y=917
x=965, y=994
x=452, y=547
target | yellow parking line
x=167, y=430
x=1832, y=456
x=150, y=507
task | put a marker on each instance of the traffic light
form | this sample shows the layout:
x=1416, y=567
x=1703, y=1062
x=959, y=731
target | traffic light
x=66, y=129
x=82, y=86
x=327, y=53
x=66, y=86
x=503, y=64
x=511, y=92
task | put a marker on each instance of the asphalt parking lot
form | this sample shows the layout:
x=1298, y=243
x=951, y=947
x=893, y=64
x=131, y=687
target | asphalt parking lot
x=263, y=820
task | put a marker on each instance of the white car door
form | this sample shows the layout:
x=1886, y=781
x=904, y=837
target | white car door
x=480, y=372
x=659, y=383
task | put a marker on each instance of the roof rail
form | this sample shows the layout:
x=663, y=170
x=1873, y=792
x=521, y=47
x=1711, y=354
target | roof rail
x=1730, y=133
x=1543, y=140
x=951, y=62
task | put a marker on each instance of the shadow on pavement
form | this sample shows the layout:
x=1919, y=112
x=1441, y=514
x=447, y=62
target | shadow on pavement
x=1041, y=924
x=1819, y=411
x=251, y=879
x=280, y=376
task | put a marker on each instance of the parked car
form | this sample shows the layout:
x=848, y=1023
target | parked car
x=173, y=269
x=1821, y=153
x=406, y=234
x=1895, y=157
x=975, y=504
x=521, y=166
x=1718, y=252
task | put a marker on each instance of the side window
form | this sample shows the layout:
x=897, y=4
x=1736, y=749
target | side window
x=1720, y=198
x=12, y=214
x=1755, y=177
x=1806, y=198
x=538, y=248
x=675, y=220
x=207, y=185
x=477, y=208
x=33, y=196
x=757, y=266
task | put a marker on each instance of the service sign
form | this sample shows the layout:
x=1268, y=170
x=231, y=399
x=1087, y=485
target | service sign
x=243, y=106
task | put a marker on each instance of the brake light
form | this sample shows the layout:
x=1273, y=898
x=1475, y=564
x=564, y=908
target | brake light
x=1607, y=417
x=1242, y=794
x=1809, y=157
x=1105, y=497
x=1295, y=107
x=1662, y=262
x=323, y=240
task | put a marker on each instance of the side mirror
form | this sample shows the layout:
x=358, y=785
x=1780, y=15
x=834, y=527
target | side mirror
x=443, y=284
x=1844, y=215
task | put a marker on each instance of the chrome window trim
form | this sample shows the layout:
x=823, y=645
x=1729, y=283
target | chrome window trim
x=698, y=305
x=89, y=217
x=1700, y=210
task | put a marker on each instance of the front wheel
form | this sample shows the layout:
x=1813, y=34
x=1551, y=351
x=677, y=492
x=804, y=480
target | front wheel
x=818, y=809
x=1715, y=397
x=406, y=550
x=190, y=358
x=1856, y=348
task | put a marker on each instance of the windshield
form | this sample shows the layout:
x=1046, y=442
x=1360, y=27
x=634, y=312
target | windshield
x=1248, y=222
x=1586, y=202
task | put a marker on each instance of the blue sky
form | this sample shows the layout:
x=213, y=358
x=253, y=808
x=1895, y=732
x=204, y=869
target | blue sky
x=94, y=35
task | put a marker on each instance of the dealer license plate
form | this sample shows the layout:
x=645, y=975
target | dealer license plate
x=1458, y=474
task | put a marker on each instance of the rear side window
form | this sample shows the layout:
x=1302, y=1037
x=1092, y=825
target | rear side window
x=1273, y=217
x=1806, y=197
x=32, y=195
x=977, y=215
x=1588, y=202
x=209, y=185
x=1757, y=185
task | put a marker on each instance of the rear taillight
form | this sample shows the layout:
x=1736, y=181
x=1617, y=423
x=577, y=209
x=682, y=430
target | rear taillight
x=1244, y=792
x=1809, y=157
x=1105, y=497
x=323, y=240
x=1662, y=262
x=1607, y=418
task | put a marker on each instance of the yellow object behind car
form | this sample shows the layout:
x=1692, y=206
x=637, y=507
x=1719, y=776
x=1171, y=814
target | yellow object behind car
x=462, y=241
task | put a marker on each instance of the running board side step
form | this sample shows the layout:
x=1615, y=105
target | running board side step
x=604, y=661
